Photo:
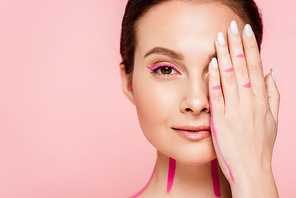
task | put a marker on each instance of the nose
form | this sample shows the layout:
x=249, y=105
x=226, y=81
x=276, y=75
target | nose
x=195, y=98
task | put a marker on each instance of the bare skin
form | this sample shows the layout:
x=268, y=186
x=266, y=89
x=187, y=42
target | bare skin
x=181, y=98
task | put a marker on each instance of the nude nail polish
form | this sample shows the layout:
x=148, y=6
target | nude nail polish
x=234, y=28
x=273, y=76
x=248, y=31
x=221, y=39
x=214, y=63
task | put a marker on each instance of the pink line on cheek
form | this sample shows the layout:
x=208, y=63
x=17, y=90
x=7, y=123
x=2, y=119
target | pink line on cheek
x=216, y=139
x=215, y=178
x=229, y=70
x=248, y=85
x=171, y=174
x=139, y=193
x=240, y=56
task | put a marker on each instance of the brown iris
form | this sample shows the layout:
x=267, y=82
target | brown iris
x=166, y=70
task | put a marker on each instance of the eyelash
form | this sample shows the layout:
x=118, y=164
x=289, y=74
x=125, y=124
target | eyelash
x=157, y=67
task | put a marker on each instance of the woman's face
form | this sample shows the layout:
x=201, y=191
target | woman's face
x=179, y=35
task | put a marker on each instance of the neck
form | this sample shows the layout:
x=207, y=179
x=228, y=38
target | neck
x=187, y=180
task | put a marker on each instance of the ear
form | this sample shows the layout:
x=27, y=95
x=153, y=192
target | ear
x=126, y=81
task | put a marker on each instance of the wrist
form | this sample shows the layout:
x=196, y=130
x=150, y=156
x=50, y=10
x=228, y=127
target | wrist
x=259, y=183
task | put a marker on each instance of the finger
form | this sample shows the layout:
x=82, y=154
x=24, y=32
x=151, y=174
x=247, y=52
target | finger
x=254, y=64
x=273, y=95
x=228, y=80
x=215, y=91
x=239, y=63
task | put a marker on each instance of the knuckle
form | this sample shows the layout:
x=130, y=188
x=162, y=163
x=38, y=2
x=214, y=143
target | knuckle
x=242, y=69
x=237, y=43
x=252, y=46
x=217, y=96
x=223, y=53
x=215, y=79
x=229, y=78
x=257, y=69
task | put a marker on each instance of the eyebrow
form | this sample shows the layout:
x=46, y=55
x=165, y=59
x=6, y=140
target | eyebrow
x=165, y=51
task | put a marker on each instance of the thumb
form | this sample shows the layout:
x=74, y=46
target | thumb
x=273, y=94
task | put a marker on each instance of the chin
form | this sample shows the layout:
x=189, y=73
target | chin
x=195, y=158
x=190, y=152
x=194, y=161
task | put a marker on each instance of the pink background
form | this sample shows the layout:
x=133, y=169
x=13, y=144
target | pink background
x=67, y=130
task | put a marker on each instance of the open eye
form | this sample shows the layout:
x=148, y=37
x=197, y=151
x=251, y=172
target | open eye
x=164, y=69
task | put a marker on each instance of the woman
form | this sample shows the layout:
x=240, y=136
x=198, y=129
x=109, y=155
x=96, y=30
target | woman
x=194, y=73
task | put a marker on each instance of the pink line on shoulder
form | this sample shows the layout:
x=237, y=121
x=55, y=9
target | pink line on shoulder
x=240, y=56
x=171, y=174
x=139, y=193
x=216, y=139
x=248, y=85
x=216, y=87
x=229, y=70
x=215, y=178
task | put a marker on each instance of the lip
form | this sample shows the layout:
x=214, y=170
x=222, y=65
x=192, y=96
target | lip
x=193, y=132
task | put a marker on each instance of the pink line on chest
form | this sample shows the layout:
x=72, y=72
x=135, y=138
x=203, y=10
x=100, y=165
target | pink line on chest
x=216, y=139
x=171, y=174
x=248, y=85
x=240, y=56
x=215, y=178
x=229, y=70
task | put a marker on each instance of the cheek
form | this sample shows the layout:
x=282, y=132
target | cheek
x=156, y=103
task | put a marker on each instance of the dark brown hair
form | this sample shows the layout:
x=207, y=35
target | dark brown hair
x=247, y=10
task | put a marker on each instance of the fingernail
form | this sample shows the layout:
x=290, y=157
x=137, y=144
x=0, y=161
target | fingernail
x=234, y=28
x=273, y=76
x=248, y=31
x=221, y=39
x=214, y=63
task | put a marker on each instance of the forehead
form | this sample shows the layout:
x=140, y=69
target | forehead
x=183, y=25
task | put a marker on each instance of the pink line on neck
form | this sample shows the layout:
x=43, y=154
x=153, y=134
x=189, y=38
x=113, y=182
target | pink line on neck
x=248, y=85
x=216, y=139
x=139, y=193
x=215, y=178
x=240, y=56
x=171, y=174
x=229, y=70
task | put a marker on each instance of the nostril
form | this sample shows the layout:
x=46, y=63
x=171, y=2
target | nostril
x=188, y=109
x=205, y=109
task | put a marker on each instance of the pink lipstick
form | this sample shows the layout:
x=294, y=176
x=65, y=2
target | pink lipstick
x=193, y=132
